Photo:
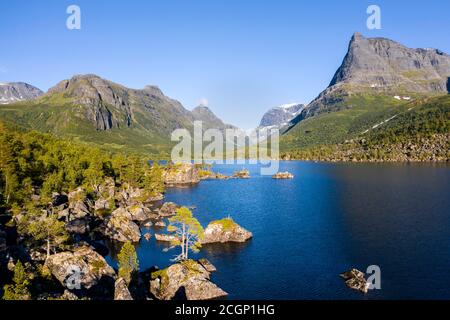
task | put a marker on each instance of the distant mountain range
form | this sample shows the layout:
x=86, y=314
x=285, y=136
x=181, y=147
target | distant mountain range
x=17, y=91
x=279, y=117
x=92, y=109
x=378, y=81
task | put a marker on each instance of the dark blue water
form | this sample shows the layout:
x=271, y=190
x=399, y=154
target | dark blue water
x=330, y=218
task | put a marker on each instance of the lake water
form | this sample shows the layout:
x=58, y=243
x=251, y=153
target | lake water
x=330, y=218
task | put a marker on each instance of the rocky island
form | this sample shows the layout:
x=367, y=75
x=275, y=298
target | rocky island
x=283, y=175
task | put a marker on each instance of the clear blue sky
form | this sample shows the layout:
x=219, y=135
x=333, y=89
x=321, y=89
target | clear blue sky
x=242, y=56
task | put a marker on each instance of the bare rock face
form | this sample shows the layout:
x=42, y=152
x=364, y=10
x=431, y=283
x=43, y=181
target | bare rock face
x=83, y=267
x=283, y=175
x=78, y=226
x=131, y=196
x=388, y=65
x=120, y=228
x=225, y=230
x=168, y=209
x=121, y=291
x=139, y=212
x=17, y=91
x=77, y=205
x=243, y=174
x=382, y=66
x=184, y=280
x=165, y=237
x=181, y=174
x=355, y=279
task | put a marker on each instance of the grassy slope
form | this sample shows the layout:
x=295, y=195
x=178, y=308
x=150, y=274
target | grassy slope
x=59, y=116
x=424, y=122
x=360, y=112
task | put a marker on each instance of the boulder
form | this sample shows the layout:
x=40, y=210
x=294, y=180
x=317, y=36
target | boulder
x=121, y=291
x=160, y=224
x=78, y=226
x=138, y=212
x=165, y=237
x=107, y=189
x=67, y=295
x=147, y=224
x=78, y=209
x=181, y=174
x=168, y=209
x=80, y=269
x=243, y=174
x=355, y=279
x=283, y=175
x=102, y=204
x=119, y=228
x=184, y=280
x=130, y=196
x=225, y=230
x=207, y=265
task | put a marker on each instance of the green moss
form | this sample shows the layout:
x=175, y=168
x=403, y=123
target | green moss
x=97, y=265
x=163, y=276
x=227, y=224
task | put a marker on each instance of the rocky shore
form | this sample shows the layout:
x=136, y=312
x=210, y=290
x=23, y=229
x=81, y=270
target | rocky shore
x=121, y=214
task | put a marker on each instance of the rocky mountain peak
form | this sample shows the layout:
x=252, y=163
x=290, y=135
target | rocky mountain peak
x=380, y=64
x=204, y=114
x=11, y=92
x=281, y=116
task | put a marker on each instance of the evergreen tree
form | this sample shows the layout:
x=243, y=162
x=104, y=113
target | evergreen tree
x=188, y=230
x=19, y=289
x=128, y=262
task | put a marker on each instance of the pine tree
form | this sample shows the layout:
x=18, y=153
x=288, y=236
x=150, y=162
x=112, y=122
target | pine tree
x=188, y=230
x=128, y=262
x=19, y=289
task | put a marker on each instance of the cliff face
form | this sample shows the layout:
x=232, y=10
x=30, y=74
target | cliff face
x=382, y=66
x=386, y=65
x=110, y=105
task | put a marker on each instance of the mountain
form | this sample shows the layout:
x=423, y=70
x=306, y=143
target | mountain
x=95, y=110
x=281, y=116
x=378, y=81
x=209, y=119
x=17, y=91
x=382, y=66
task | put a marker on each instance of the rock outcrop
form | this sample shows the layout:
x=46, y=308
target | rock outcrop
x=243, y=174
x=120, y=228
x=355, y=279
x=184, y=280
x=225, y=230
x=168, y=209
x=121, y=291
x=165, y=237
x=181, y=174
x=283, y=175
x=80, y=269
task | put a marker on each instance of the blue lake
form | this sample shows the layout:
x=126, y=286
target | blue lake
x=330, y=218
